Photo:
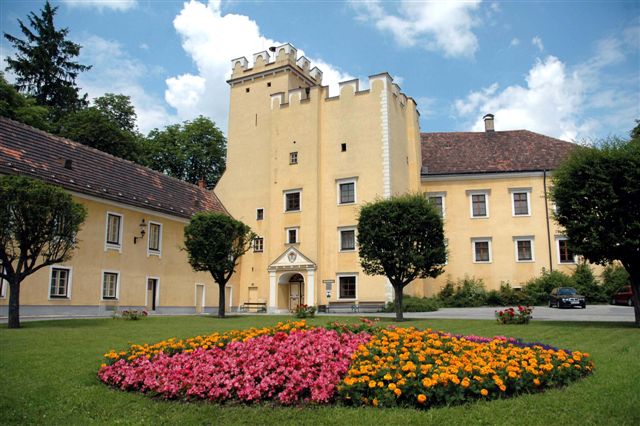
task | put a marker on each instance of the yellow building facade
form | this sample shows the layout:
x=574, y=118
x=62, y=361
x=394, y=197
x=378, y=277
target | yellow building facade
x=301, y=163
x=129, y=253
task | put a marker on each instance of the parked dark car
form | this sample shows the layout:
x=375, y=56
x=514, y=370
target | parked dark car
x=623, y=297
x=566, y=297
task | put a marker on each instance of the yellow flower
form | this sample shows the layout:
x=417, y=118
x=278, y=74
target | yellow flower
x=392, y=386
x=422, y=398
x=397, y=391
x=536, y=382
x=372, y=384
x=484, y=392
x=375, y=402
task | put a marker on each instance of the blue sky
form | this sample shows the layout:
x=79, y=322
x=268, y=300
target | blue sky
x=568, y=69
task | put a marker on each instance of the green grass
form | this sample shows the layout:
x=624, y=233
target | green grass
x=48, y=376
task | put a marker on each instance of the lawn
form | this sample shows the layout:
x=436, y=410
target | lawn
x=49, y=377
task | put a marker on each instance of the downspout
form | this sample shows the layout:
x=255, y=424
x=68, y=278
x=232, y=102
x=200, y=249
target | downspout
x=546, y=213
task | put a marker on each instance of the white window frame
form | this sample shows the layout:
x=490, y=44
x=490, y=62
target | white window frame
x=257, y=211
x=284, y=199
x=151, y=252
x=69, y=282
x=473, y=249
x=107, y=244
x=255, y=250
x=354, y=181
x=4, y=284
x=532, y=241
x=443, y=196
x=293, y=158
x=575, y=257
x=286, y=235
x=342, y=229
x=109, y=271
x=346, y=274
x=486, y=193
x=512, y=192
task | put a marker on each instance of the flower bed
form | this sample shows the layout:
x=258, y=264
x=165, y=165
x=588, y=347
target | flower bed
x=356, y=365
x=405, y=366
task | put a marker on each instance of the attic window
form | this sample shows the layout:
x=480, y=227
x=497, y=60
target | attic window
x=68, y=164
x=343, y=147
x=269, y=84
x=248, y=89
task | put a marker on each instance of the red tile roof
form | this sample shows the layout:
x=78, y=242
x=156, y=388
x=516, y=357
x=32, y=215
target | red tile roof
x=491, y=152
x=28, y=151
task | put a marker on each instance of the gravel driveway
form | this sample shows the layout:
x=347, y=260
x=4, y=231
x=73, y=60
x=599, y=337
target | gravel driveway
x=540, y=313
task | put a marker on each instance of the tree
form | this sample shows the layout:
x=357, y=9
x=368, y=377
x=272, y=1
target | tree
x=403, y=239
x=192, y=151
x=38, y=227
x=108, y=126
x=44, y=63
x=19, y=107
x=597, y=195
x=214, y=243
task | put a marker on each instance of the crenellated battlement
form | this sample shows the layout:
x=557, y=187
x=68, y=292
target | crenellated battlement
x=276, y=58
x=381, y=82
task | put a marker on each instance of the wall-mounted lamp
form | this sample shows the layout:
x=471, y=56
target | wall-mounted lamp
x=143, y=227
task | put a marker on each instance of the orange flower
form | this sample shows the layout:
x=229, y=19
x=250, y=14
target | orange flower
x=422, y=398
x=484, y=392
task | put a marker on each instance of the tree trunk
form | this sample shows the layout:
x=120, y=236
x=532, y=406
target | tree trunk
x=397, y=291
x=221, y=302
x=634, y=277
x=14, y=303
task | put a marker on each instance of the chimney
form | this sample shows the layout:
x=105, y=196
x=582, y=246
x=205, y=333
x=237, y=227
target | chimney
x=488, y=123
x=201, y=183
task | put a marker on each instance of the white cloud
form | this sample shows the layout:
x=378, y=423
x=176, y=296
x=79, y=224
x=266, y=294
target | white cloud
x=212, y=39
x=115, y=71
x=537, y=42
x=514, y=42
x=118, y=5
x=557, y=97
x=435, y=26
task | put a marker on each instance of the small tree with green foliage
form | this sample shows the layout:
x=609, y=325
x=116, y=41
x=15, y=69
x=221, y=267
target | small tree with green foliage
x=38, y=227
x=597, y=194
x=18, y=107
x=401, y=238
x=214, y=243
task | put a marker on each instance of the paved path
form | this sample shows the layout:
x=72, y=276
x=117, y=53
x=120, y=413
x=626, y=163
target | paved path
x=540, y=313
x=602, y=313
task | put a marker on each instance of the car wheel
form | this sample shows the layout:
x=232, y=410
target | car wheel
x=629, y=302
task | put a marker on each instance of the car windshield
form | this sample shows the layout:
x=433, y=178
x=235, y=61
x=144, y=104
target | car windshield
x=566, y=291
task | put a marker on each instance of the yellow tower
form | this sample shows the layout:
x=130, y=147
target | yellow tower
x=300, y=163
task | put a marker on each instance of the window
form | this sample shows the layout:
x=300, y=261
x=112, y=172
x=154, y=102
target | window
x=347, y=287
x=258, y=244
x=110, y=285
x=259, y=214
x=293, y=158
x=155, y=237
x=437, y=199
x=347, y=239
x=347, y=191
x=292, y=235
x=343, y=147
x=521, y=201
x=565, y=255
x=60, y=278
x=479, y=207
x=524, y=249
x=292, y=201
x=114, y=230
x=481, y=250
